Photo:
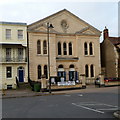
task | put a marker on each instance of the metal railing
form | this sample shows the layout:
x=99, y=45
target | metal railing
x=13, y=59
x=90, y=80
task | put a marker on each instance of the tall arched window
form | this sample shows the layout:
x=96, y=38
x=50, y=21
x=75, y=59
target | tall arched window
x=92, y=70
x=60, y=66
x=64, y=49
x=71, y=72
x=38, y=47
x=44, y=47
x=70, y=48
x=85, y=49
x=61, y=72
x=71, y=66
x=86, y=71
x=59, y=48
x=91, y=48
x=39, y=72
x=45, y=71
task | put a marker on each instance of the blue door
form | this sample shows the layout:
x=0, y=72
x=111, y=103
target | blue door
x=21, y=76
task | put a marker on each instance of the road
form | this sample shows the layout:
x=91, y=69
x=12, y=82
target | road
x=84, y=103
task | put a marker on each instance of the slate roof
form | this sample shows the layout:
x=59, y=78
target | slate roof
x=114, y=40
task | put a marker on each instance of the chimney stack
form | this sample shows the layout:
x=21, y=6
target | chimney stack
x=105, y=33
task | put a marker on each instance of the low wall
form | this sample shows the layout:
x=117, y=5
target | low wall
x=112, y=83
x=66, y=86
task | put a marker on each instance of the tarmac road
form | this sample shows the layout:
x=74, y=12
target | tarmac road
x=86, y=103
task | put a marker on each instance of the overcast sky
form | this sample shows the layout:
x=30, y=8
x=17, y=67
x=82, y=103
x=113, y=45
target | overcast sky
x=96, y=12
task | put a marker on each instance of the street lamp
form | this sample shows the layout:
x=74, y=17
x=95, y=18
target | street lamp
x=48, y=27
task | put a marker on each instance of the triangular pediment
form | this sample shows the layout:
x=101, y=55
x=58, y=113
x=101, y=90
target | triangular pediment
x=64, y=22
x=42, y=29
x=88, y=32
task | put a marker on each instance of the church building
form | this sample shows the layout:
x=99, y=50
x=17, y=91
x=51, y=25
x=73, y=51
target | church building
x=72, y=45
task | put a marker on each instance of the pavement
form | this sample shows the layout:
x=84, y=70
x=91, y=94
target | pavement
x=29, y=93
x=25, y=93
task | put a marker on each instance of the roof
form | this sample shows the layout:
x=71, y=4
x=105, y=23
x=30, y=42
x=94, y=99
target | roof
x=115, y=40
x=64, y=10
x=12, y=23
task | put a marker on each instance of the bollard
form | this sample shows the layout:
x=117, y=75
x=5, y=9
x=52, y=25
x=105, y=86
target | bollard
x=43, y=83
x=83, y=78
x=102, y=83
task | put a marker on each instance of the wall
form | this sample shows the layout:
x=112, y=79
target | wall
x=109, y=58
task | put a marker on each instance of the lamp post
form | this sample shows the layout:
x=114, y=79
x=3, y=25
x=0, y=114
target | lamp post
x=48, y=27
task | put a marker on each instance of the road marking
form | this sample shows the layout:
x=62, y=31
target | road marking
x=80, y=95
x=67, y=95
x=109, y=109
x=88, y=108
x=91, y=104
x=95, y=103
x=110, y=105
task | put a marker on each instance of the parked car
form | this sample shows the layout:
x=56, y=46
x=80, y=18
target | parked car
x=111, y=79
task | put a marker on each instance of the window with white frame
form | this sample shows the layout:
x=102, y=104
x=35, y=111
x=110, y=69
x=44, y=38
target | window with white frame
x=86, y=70
x=46, y=71
x=59, y=48
x=91, y=48
x=8, y=72
x=92, y=70
x=85, y=49
x=8, y=33
x=20, y=54
x=8, y=54
x=44, y=47
x=38, y=47
x=39, y=71
x=20, y=34
x=70, y=48
x=64, y=49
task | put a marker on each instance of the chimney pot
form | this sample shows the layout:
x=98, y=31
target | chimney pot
x=105, y=33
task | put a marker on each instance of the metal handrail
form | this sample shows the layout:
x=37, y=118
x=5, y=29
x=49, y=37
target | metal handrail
x=13, y=59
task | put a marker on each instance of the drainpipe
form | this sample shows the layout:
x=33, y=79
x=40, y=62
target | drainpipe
x=28, y=55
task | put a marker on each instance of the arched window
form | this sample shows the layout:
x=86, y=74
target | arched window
x=91, y=48
x=38, y=47
x=71, y=66
x=60, y=66
x=45, y=71
x=59, y=48
x=86, y=71
x=64, y=49
x=85, y=49
x=92, y=70
x=70, y=48
x=39, y=72
x=44, y=47
x=61, y=73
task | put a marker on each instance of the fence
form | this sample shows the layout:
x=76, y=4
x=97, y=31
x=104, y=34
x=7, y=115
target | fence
x=90, y=80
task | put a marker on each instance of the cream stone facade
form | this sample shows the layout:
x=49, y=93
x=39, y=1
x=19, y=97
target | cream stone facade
x=74, y=48
x=13, y=54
